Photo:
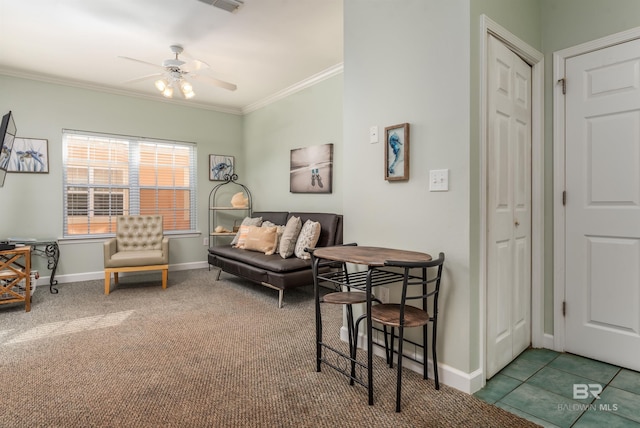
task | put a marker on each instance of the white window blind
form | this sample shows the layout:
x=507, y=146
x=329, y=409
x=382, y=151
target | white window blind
x=109, y=175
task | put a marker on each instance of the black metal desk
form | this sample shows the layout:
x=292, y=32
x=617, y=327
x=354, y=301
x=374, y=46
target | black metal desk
x=47, y=248
x=375, y=275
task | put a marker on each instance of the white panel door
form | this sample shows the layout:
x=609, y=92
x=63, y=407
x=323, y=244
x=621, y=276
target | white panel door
x=508, y=206
x=602, y=288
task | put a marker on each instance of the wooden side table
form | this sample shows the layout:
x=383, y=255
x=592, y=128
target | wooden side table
x=15, y=267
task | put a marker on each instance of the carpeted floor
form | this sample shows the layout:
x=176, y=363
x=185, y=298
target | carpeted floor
x=198, y=354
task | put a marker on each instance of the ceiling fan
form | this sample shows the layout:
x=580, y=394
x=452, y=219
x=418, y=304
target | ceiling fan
x=174, y=73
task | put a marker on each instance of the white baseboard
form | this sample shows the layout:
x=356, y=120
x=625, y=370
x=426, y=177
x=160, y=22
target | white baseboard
x=548, y=341
x=450, y=376
x=89, y=276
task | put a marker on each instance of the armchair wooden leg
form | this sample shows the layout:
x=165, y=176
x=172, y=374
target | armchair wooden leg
x=107, y=282
x=165, y=274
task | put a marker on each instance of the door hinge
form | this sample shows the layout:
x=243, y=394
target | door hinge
x=564, y=197
x=564, y=308
x=563, y=82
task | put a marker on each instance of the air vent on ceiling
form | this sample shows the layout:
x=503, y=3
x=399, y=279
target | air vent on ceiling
x=228, y=5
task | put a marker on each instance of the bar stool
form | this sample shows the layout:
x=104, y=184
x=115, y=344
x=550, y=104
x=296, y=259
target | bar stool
x=348, y=298
x=401, y=315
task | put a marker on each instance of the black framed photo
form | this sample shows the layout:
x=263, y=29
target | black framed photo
x=219, y=166
x=396, y=152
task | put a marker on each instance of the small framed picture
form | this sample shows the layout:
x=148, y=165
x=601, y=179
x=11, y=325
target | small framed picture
x=29, y=155
x=396, y=152
x=221, y=166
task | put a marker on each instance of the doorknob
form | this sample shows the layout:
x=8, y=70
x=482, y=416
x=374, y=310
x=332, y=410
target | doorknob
x=517, y=223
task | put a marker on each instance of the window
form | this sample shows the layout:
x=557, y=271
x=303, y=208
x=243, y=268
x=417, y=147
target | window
x=109, y=175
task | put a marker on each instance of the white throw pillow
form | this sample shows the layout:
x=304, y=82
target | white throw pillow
x=290, y=237
x=308, y=238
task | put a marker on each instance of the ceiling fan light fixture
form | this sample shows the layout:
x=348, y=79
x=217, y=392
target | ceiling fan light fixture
x=168, y=92
x=162, y=84
x=188, y=95
x=186, y=86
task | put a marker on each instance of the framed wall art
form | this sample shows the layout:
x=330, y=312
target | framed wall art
x=311, y=169
x=29, y=155
x=219, y=166
x=396, y=152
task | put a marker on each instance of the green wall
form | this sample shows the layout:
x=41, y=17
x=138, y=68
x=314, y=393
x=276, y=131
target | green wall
x=409, y=62
x=260, y=141
x=42, y=110
x=309, y=117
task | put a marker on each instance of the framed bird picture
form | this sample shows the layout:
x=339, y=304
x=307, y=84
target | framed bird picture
x=221, y=166
x=29, y=155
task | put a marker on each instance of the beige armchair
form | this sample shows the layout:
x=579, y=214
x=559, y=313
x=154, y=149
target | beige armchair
x=139, y=245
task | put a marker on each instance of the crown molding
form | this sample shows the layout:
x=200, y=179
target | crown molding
x=306, y=83
x=316, y=78
x=111, y=90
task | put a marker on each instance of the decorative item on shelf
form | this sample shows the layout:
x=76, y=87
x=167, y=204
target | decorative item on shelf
x=239, y=200
x=396, y=152
x=222, y=211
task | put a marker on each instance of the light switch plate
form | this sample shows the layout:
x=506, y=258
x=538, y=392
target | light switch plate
x=373, y=134
x=439, y=180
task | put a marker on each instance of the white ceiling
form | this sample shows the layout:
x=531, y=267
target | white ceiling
x=267, y=47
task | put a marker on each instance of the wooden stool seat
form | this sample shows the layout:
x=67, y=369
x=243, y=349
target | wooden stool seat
x=389, y=314
x=346, y=297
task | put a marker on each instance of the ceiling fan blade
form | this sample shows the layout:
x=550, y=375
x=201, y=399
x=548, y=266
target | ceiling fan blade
x=193, y=64
x=216, y=82
x=142, y=62
x=147, y=77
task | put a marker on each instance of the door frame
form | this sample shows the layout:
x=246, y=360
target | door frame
x=536, y=60
x=559, y=127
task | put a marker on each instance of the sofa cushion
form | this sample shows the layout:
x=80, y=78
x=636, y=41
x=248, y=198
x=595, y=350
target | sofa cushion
x=275, y=217
x=330, y=227
x=290, y=237
x=308, y=238
x=258, y=260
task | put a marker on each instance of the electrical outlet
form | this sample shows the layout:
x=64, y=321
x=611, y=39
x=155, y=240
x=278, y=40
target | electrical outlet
x=205, y=241
x=383, y=294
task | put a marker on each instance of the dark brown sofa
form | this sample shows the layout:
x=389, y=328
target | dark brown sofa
x=273, y=271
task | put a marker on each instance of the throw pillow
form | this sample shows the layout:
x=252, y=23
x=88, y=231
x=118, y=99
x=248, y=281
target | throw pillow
x=242, y=236
x=262, y=239
x=290, y=237
x=248, y=221
x=308, y=238
x=279, y=232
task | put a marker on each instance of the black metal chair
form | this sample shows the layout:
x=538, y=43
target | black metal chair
x=348, y=298
x=401, y=315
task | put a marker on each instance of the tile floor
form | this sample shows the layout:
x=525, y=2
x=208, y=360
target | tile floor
x=539, y=386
